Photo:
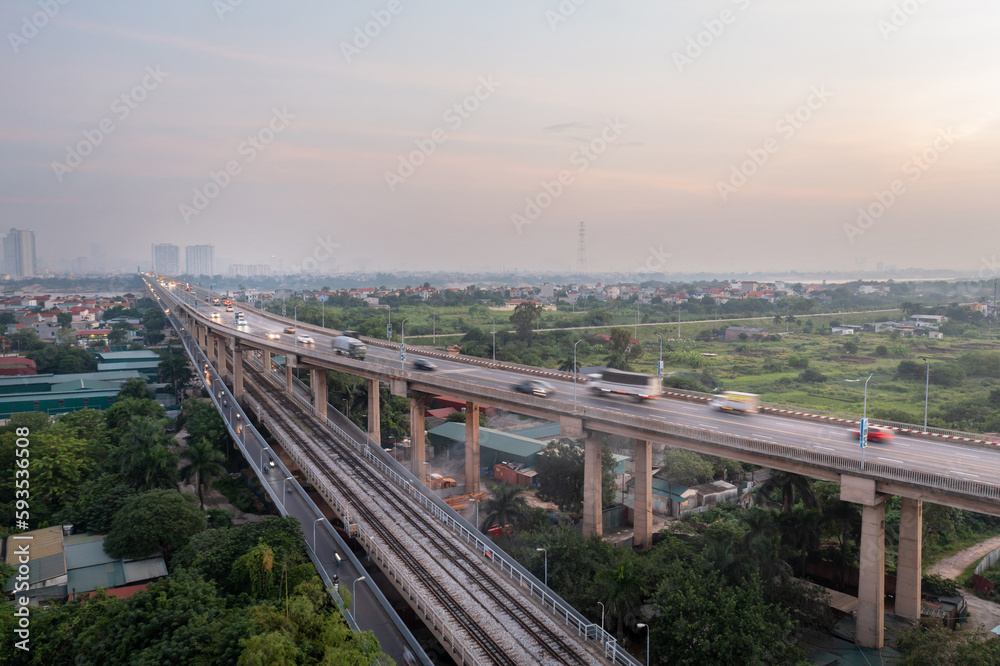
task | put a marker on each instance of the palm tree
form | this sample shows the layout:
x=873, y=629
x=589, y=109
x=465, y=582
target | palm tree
x=204, y=462
x=790, y=485
x=154, y=467
x=763, y=544
x=506, y=506
x=622, y=591
x=174, y=369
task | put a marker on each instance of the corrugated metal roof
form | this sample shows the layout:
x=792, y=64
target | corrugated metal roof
x=87, y=554
x=26, y=380
x=544, y=431
x=493, y=439
x=131, y=365
x=142, y=355
x=145, y=569
x=84, y=385
x=85, y=579
x=42, y=543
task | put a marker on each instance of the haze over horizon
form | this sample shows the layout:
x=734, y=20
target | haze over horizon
x=730, y=136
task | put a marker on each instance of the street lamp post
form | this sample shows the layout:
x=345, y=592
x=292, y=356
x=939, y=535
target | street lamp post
x=659, y=367
x=927, y=389
x=603, y=642
x=864, y=417
x=402, y=344
x=284, y=487
x=640, y=626
x=315, y=522
x=354, y=594
x=546, y=553
x=494, y=339
x=576, y=372
x=295, y=312
x=434, y=329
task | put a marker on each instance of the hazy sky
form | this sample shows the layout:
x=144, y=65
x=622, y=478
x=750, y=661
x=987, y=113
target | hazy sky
x=722, y=135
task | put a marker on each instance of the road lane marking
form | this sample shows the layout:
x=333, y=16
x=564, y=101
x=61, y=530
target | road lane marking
x=827, y=448
x=892, y=460
x=962, y=473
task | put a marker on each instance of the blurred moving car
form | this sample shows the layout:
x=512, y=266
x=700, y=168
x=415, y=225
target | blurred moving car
x=289, y=329
x=535, y=387
x=423, y=364
x=876, y=434
x=273, y=336
x=305, y=339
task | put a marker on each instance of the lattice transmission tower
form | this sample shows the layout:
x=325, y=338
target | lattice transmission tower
x=581, y=248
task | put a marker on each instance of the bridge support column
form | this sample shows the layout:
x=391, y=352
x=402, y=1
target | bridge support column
x=374, y=411
x=593, y=523
x=643, y=506
x=908, y=567
x=266, y=360
x=870, y=631
x=237, y=370
x=471, y=447
x=317, y=382
x=418, y=449
x=288, y=375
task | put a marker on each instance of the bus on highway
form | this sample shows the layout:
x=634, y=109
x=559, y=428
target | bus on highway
x=734, y=401
x=635, y=384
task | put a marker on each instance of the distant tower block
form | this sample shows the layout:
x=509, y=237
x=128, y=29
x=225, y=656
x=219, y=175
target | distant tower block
x=581, y=248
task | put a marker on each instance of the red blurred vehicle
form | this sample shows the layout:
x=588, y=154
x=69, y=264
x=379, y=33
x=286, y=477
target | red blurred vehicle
x=876, y=434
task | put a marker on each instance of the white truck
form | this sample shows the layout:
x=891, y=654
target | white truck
x=344, y=345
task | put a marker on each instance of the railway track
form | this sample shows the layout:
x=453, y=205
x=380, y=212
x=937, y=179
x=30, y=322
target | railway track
x=504, y=608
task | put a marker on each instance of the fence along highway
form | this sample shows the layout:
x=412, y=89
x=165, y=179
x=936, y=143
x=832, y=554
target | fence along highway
x=962, y=475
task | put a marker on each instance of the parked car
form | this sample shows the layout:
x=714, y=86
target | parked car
x=423, y=364
x=305, y=339
x=535, y=387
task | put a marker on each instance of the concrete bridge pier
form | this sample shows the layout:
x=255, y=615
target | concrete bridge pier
x=593, y=523
x=237, y=369
x=374, y=411
x=265, y=358
x=471, y=447
x=289, y=365
x=908, y=566
x=870, y=631
x=317, y=382
x=418, y=447
x=643, y=506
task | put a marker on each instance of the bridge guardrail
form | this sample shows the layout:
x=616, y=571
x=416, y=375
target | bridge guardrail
x=247, y=429
x=656, y=427
x=391, y=469
x=776, y=408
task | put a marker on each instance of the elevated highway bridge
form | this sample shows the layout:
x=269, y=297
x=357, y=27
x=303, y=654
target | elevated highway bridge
x=916, y=466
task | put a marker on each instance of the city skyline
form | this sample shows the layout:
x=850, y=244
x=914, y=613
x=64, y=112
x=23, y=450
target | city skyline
x=339, y=139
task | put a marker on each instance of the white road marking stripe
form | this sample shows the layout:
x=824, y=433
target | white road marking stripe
x=892, y=460
x=963, y=473
x=967, y=455
x=827, y=448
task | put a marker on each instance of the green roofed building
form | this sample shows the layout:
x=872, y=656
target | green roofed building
x=144, y=361
x=494, y=446
x=58, y=394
